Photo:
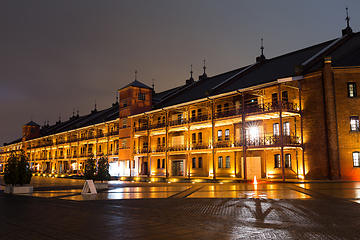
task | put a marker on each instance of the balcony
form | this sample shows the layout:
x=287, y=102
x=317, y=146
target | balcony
x=178, y=148
x=142, y=128
x=178, y=122
x=271, y=106
x=158, y=149
x=157, y=125
x=200, y=118
x=142, y=150
x=273, y=140
x=200, y=146
x=227, y=113
x=113, y=133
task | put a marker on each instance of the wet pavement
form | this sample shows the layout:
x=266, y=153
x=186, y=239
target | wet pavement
x=57, y=210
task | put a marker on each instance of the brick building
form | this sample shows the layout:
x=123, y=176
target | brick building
x=293, y=116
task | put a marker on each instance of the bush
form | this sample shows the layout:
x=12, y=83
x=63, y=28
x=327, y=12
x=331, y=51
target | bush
x=90, y=168
x=103, y=169
x=17, y=170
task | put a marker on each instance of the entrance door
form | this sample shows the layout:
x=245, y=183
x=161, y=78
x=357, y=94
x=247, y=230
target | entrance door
x=144, y=168
x=178, y=168
x=253, y=167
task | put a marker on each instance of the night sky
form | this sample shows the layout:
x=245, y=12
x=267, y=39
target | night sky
x=58, y=56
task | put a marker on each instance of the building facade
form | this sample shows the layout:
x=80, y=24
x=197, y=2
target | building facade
x=295, y=116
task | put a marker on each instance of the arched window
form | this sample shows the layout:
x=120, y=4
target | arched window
x=193, y=138
x=288, y=160
x=227, y=162
x=194, y=162
x=277, y=162
x=220, y=162
x=200, y=137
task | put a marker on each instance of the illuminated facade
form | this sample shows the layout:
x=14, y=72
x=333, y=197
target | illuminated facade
x=291, y=117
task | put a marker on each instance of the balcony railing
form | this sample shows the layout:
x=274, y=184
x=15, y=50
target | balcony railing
x=271, y=106
x=200, y=146
x=178, y=122
x=159, y=149
x=177, y=148
x=200, y=118
x=142, y=128
x=142, y=150
x=157, y=125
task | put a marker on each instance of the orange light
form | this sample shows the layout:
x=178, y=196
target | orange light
x=255, y=181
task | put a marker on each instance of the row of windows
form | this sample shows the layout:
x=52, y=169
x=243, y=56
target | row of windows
x=221, y=162
x=286, y=129
x=199, y=162
x=220, y=135
x=277, y=160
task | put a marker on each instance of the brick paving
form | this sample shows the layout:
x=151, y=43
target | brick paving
x=319, y=217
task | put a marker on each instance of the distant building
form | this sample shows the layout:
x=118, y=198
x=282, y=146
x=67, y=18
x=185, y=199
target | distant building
x=292, y=116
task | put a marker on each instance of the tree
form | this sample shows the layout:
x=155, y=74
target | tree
x=90, y=168
x=103, y=170
x=17, y=170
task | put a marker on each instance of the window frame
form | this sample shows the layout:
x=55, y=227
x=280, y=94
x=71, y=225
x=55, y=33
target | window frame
x=227, y=162
x=277, y=161
x=354, y=123
x=287, y=161
x=193, y=162
x=219, y=135
x=276, y=129
x=286, y=128
x=200, y=162
x=352, y=93
x=220, y=162
x=357, y=164
x=141, y=96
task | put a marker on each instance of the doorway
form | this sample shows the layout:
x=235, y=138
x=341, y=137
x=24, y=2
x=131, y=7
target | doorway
x=177, y=168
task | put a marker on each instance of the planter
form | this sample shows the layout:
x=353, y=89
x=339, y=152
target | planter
x=18, y=189
x=101, y=186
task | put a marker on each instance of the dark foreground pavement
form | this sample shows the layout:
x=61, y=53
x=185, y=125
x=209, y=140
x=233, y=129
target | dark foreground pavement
x=319, y=217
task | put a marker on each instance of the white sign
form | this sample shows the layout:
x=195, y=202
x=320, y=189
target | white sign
x=89, y=187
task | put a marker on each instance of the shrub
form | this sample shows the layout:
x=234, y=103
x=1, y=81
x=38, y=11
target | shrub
x=90, y=168
x=103, y=169
x=17, y=170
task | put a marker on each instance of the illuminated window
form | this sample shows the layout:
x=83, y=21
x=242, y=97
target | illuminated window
x=286, y=128
x=227, y=162
x=219, y=135
x=220, y=162
x=277, y=162
x=274, y=98
x=354, y=123
x=356, y=159
x=284, y=96
x=193, y=138
x=227, y=134
x=276, y=129
x=200, y=162
x=253, y=133
x=124, y=144
x=141, y=96
x=193, y=162
x=352, y=89
x=288, y=160
x=200, y=137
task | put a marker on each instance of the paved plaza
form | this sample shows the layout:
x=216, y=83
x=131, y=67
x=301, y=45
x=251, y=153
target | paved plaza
x=130, y=210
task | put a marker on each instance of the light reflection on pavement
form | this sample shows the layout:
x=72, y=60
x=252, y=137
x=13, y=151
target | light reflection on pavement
x=70, y=189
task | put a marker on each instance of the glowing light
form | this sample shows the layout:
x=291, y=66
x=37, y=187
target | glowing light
x=254, y=132
x=255, y=181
